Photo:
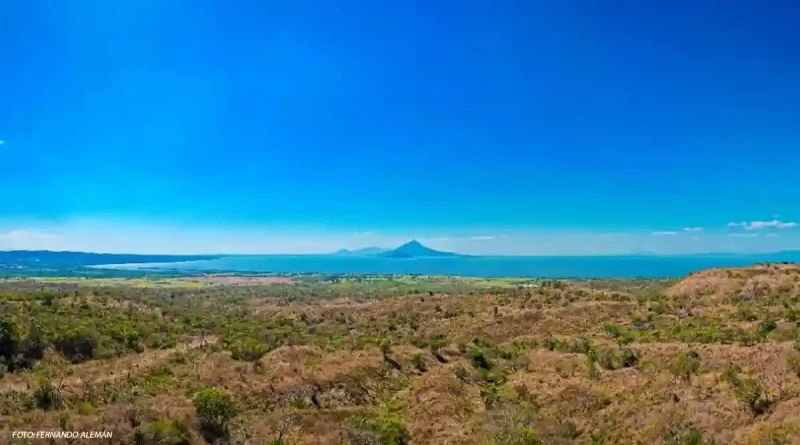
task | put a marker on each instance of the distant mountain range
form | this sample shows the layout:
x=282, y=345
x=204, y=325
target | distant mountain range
x=367, y=251
x=411, y=249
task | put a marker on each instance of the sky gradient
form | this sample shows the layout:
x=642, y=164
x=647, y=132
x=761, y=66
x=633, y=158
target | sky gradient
x=508, y=127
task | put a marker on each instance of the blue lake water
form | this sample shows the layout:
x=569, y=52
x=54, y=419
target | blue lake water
x=550, y=267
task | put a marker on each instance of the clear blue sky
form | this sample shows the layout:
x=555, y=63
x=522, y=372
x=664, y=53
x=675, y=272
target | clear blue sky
x=302, y=125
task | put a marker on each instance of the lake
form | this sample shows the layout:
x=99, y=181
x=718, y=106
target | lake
x=546, y=267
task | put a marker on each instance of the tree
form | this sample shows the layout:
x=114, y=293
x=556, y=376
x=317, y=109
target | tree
x=215, y=409
x=9, y=341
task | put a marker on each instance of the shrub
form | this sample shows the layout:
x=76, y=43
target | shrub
x=63, y=421
x=685, y=365
x=591, y=360
x=45, y=395
x=383, y=428
x=767, y=326
x=731, y=375
x=748, y=393
x=163, y=432
x=9, y=341
x=437, y=342
x=214, y=409
x=79, y=344
x=385, y=346
x=85, y=408
x=607, y=358
x=613, y=331
x=479, y=358
x=745, y=314
x=684, y=434
x=793, y=362
x=133, y=340
x=418, y=362
x=515, y=427
x=248, y=349
x=628, y=358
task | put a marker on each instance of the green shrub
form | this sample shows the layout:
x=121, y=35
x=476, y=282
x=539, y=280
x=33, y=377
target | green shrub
x=479, y=358
x=247, y=349
x=45, y=395
x=686, y=364
x=767, y=326
x=437, y=342
x=628, y=358
x=215, y=409
x=85, y=408
x=418, y=362
x=385, y=428
x=748, y=393
x=731, y=375
x=79, y=344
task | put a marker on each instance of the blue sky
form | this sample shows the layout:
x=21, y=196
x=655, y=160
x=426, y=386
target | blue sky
x=508, y=127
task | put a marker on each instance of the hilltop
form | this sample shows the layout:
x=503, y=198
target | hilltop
x=415, y=249
x=758, y=281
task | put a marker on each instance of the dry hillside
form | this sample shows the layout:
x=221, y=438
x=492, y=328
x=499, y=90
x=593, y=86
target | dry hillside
x=713, y=358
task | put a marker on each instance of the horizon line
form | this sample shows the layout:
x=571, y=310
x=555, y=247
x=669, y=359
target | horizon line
x=463, y=255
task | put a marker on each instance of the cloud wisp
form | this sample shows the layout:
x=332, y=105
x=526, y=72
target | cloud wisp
x=664, y=233
x=758, y=225
x=692, y=229
x=612, y=235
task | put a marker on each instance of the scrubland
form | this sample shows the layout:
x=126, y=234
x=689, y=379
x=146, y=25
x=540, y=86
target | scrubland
x=712, y=358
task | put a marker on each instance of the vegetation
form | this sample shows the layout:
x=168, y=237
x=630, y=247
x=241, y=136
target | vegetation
x=713, y=358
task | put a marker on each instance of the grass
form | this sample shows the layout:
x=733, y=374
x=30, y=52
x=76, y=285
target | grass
x=709, y=359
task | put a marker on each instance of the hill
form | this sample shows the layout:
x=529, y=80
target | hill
x=759, y=281
x=415, y=249
x=366, y=251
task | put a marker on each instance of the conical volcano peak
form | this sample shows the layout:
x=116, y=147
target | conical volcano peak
x=413, y=249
